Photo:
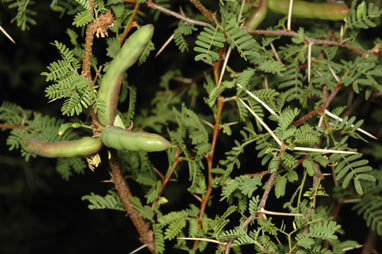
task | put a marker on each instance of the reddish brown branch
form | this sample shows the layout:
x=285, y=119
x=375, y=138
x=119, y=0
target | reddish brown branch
x=354, y=105
x=210, y=159
x=204, y=10
x=167, y=178
x=266, y=192
x=261, y=206
x=309, y=39
x=8, y=126
x=320, y=109
x=130, y=24
x=143, y=228
x=88, y=46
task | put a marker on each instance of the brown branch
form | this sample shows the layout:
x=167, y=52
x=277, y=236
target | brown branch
x=143, y=228
x=130, y=24
x=8, y=126
x=88, y=46
x=152, y=5
x=320, y=109
x=210, y=164
x=309, y=39
x=371, y=242
x=261, y=206
x=204, y=11
x=354, y=105
x=266, y=192
x=210, y=159
x=167, y=178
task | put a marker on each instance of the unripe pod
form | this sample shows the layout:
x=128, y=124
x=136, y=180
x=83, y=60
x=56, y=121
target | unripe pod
x=110, y=86
x=81, y=147
x=257, y=16
x=121, y=139
x=309, y=10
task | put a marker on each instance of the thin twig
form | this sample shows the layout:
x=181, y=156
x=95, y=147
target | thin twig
x=210, y=158
x=320, y=109
x=204, y=10
x=250, y=218
x=152, y=5
x=130, y=24
x=267, y=191
x=167, y=178
x=309, y=39
x=8, y=126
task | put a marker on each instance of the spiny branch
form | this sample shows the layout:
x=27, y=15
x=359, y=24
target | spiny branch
x=321, y=108
x=309, y=39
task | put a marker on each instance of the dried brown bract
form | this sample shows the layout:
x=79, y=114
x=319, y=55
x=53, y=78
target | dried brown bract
x=102, y=23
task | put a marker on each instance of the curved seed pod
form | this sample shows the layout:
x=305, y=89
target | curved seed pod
x=81, y=147
x=121, y=139
x=111, y=82
x=257, y=16
x=305, y=9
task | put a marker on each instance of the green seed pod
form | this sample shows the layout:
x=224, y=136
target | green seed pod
x=81, y=147
x=257, y=16
x=121, y=139
x=308, y=10
x=110, y=86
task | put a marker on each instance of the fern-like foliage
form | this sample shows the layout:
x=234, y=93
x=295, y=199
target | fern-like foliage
x=370, y=207
x=362, y=73
x=82, y=18
x=291, y=83
x=69, y=84
x=84, y=3
x=24, y=16
x=352, y=167
x=159, y=239
x=182, y=30
x=241, y=40
x=363, y=15
x=208, y=41
x=66, y=166
x=246, y=185
x=110, y=201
